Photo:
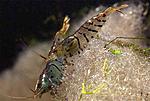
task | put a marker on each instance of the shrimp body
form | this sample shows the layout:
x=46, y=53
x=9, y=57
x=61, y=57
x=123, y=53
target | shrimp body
x=65, y=47
x=75, y=43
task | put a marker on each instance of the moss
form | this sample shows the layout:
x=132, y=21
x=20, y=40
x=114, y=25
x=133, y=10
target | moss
x=135, y=48
x=115, y=51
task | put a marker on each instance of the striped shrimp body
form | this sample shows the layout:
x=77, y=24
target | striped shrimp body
x=72, y=45
x=75, y=44
x=65, y=47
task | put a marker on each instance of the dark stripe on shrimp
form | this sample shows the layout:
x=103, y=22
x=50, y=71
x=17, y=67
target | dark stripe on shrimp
x=58, y=61
x=103, y=20
x=78, y=43
x=104, y=15
x=85, y=37
x=98, y=25
x=98, y=19
x=56, y=67
x=90, y=23
x=92, y=30
x=80, y=33
x=70, y=55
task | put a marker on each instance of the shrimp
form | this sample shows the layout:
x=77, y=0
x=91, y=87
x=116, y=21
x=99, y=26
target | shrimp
x=75, y=43
x=65, y=47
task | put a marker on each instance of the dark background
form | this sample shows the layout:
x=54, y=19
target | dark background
x=27, y=19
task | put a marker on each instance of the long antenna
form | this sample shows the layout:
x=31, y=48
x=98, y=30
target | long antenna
x=26, y=45
x=124, y=38
x=18, y=97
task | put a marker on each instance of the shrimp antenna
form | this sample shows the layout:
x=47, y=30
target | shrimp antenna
x=32, y=90
x=26, y=45
x=18, y=97
x=124, y=38
x=118, y=9
x=121, y=7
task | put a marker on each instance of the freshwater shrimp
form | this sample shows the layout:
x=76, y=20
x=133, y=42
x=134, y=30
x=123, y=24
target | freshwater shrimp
x=65, y=47
x=75, y=43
